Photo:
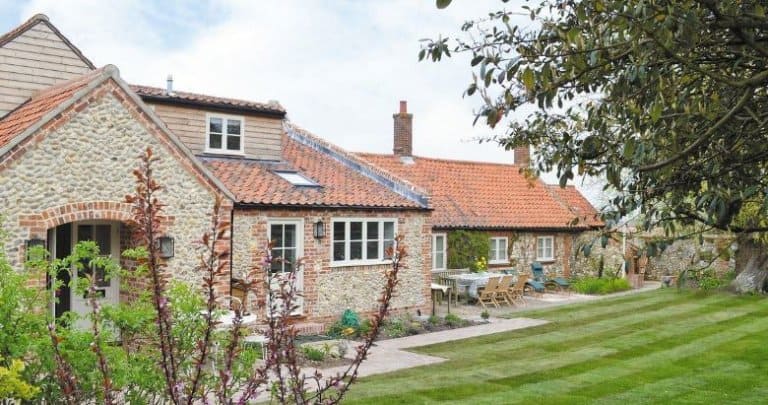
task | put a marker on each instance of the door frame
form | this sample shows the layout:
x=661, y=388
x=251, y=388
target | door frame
x=299, y=223
x=76, y=300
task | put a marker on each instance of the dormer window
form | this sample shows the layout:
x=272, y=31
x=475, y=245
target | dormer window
x=224, y=134
x=296, y=179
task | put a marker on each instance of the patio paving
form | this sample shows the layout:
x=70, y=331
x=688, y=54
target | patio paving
x=473, y=311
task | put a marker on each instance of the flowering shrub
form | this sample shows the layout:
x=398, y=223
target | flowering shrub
x=480, y=264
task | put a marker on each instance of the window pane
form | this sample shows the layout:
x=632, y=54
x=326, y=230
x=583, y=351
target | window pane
x=84, y=232
x=356, y=230
x=338, y=231
x=389, y=230
x=289, y=257
x=233, y=127
x=355, y=250
x=439, y=241
x=388, y=245
x=214, y=125
x=289, y=235
x=215, y=141
x=277, y=235
x=373, y=230
x=338, y=251
x=103, y=238
x=372, y=251
x=439, y=260
x=276, y=265
x=233, y=142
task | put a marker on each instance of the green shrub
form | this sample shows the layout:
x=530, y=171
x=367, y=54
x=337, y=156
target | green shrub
x=434, y=320
x=313, y=353
x=335, y=329
x=453, y=320
x=395, y=328
x=600, y=286
x=365, y=327
x=485, y=315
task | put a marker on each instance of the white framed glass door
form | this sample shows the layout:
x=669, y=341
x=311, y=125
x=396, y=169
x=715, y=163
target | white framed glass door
x=287, y=238
x=107, y=237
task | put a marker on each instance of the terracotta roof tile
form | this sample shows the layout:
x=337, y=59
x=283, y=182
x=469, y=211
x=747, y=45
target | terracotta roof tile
x=27, y=114
x=578, y=204
x=159, y=94
x=484, y=195
x=254, y=182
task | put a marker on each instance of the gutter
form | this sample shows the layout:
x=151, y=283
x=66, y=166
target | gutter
x=219, y=107
x=326, y=206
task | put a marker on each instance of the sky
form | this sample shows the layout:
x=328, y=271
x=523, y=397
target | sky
x=340, y=68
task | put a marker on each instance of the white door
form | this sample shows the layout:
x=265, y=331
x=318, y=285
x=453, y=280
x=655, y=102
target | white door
x=107, y=237
x=287, y=237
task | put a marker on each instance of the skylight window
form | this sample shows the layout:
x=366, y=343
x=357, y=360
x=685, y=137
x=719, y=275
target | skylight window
x=296, y=179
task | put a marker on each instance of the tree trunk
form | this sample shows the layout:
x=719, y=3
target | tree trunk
x=751, y=266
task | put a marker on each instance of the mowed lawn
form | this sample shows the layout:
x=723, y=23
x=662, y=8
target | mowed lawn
x=662, y=346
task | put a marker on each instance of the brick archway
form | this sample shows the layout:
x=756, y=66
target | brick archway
x=38, y=224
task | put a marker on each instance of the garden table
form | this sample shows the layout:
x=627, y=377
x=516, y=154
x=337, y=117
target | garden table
x=470, y=282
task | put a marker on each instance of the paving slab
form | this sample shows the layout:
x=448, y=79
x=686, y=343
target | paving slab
x=390, y=355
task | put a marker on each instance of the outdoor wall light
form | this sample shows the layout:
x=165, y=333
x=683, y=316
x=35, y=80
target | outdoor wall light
x=31, y=243
x=165, y=245
x=319, y=230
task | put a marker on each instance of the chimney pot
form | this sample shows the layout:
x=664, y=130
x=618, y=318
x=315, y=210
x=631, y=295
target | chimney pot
x=169, y=84
x=403, y=131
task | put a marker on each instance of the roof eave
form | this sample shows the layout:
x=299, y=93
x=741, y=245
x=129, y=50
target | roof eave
x=220, y=107
x=259, y=205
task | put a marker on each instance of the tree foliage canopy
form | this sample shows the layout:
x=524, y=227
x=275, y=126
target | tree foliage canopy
x=665, y=100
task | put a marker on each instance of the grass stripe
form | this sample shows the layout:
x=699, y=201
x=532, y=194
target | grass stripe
x=662, y=346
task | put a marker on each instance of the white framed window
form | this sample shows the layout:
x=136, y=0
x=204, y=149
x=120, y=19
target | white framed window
x=545, y=248
x=439, y=248
x=224, y=134
x=499, y=248
x=361, y=240
x=286, y=239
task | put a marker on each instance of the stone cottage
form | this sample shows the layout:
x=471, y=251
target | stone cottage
x=70, y=135
x=525, y=219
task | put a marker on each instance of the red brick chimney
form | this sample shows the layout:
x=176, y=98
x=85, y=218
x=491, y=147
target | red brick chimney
x=522, y=155
x=403, y=135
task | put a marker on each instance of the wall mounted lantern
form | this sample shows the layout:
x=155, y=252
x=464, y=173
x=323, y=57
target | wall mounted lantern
x=319, y=230
x=165, y=245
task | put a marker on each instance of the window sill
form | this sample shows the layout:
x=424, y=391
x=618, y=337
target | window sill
x=224, y=152
x=547, y=260
x=498, y=262
x=360, y=263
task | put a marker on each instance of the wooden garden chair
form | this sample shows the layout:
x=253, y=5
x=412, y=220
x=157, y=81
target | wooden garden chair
x=516, y=292
x=488, y=294
x=502, y=291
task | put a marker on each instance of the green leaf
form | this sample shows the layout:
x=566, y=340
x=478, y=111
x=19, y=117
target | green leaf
x=528, y=79
x=477, y=59
x=441, y=4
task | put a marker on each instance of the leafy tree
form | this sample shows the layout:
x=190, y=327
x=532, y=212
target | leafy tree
x=664, y=99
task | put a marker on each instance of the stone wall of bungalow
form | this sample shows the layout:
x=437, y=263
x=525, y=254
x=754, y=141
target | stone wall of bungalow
x=330, y=288
x=522, y=250
x=78, y=168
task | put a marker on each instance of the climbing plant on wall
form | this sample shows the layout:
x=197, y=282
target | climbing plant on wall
x=465, y=247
